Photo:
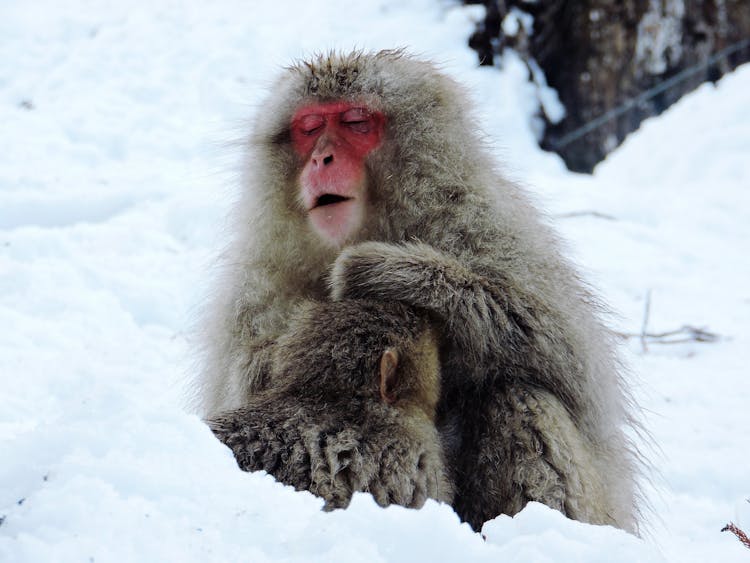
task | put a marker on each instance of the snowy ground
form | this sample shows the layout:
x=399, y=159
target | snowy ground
x=116, y=170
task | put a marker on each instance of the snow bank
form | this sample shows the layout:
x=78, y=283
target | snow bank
x=114, y=179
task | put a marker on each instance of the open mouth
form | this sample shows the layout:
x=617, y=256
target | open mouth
x=330, y=199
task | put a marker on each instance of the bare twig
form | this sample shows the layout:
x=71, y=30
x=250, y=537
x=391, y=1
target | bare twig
x=742, y=536
x=686, y=333
x=692, y=332
x=644, y=326
x=596, y=214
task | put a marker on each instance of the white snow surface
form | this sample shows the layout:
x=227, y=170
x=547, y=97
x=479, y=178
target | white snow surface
x=117, y=167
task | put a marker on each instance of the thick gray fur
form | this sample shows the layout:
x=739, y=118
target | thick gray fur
x=321, y=425
x=534, y=405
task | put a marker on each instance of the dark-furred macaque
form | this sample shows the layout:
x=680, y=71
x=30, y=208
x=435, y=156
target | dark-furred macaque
x=350, y=407
x=368, y=178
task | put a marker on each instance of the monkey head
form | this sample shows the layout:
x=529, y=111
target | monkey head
x=332, y=140
x=360, y=352
x=354, y=147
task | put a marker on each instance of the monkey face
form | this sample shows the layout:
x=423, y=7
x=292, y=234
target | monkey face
x=333, y=140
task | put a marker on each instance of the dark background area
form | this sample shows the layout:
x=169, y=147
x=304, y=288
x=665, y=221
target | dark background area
x=615, y=63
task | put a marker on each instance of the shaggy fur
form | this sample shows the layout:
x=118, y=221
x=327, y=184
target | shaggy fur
x=534, y=406
x=322, y=426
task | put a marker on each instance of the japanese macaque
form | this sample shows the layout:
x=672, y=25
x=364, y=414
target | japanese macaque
x=367, y=178
x=350, y=407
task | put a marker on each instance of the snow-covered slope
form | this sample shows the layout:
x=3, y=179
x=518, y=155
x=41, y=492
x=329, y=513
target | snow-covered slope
x=116, y=170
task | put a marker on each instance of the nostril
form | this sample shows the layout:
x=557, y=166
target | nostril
x=328, y=160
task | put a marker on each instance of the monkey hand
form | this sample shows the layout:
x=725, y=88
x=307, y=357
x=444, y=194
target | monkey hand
x=408, y=475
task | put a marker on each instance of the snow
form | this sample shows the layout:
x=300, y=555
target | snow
x=515, y=20
x=659, y=41
x=118, y=166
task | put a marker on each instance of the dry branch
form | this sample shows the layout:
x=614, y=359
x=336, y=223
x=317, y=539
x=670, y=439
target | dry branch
x=742, y=536
x=686, y=333
x=596, y=214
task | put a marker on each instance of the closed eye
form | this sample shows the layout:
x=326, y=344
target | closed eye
x=312, y=131
x=361, y=126
x=357, y=119
x=310, y=124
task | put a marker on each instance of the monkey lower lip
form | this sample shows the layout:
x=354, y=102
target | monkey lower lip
x=336, y=220
x=330, y=199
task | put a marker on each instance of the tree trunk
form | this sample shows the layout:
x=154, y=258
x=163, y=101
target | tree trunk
x=615, y=63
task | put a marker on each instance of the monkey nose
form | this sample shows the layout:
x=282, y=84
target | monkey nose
x=323, y=159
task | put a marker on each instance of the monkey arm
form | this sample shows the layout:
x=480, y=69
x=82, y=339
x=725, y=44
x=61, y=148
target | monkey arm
x=258, y=368
x=536, y=453
x=250, y=347
x=238, y=369
x=486, y=319
x=426, y=278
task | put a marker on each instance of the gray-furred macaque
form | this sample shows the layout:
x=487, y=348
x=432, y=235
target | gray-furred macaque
x=350, y=407
x=368, y=178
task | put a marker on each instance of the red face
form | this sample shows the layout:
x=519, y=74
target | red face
x=333, y=140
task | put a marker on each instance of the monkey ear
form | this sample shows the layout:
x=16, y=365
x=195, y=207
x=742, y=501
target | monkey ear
x=388, y=380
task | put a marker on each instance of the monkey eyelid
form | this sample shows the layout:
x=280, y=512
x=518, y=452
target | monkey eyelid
x=359, y=126
x=310, y=124
x=311, y=132
x=355, y=114
x=358, y=120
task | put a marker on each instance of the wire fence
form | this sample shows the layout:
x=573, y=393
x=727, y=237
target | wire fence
x=646, y=95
